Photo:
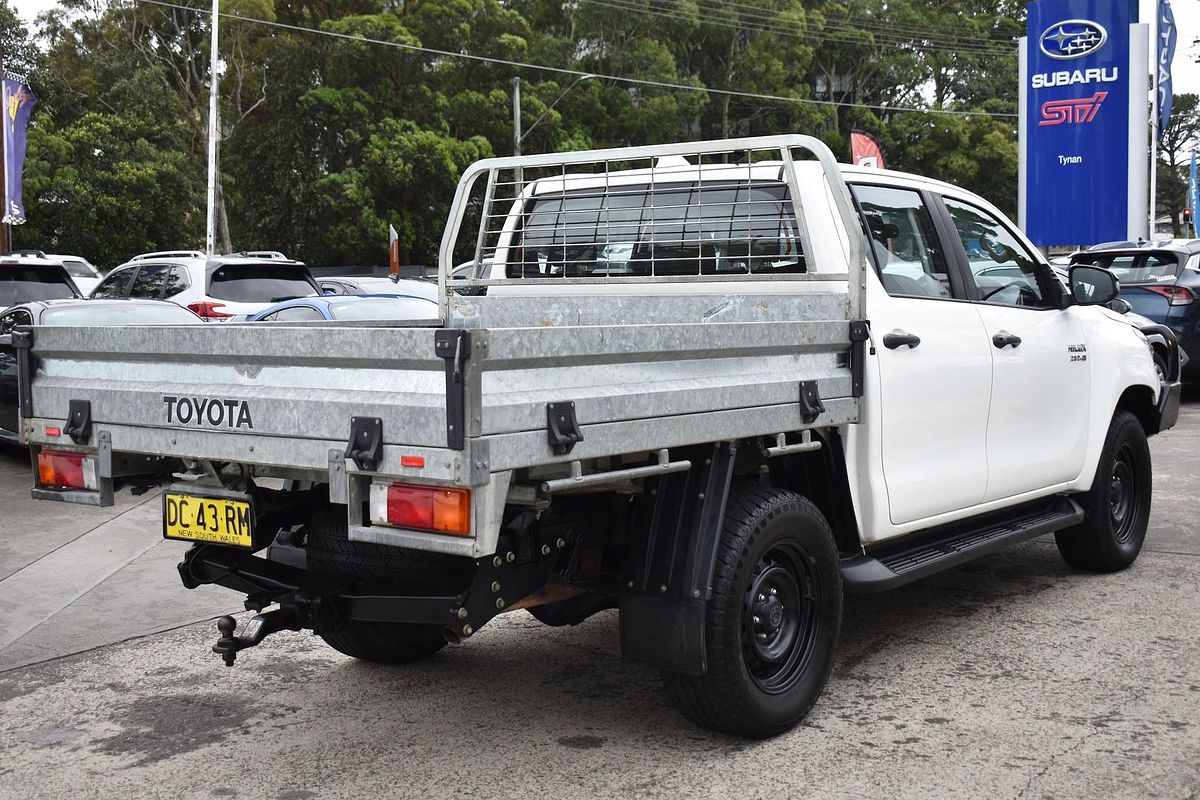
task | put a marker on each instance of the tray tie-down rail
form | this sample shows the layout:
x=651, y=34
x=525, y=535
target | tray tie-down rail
x=526, y=556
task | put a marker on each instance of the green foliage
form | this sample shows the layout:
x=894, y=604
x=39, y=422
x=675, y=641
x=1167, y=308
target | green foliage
x=108, y=187
x=1179, y=139
x=329, y=139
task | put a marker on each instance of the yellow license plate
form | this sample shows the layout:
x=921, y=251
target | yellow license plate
x=208, y=519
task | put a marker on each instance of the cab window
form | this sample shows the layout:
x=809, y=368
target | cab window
x=295, y=314
x=116, y=285
x=904, y=242
x=14, y=318
x=1003, y=270
x=175, y=282
x=150, y=281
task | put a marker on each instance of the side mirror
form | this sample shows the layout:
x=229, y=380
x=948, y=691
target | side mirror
x=1093, y=286
x=1121, y=306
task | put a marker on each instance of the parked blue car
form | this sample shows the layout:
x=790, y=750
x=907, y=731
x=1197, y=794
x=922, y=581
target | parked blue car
x=1161, y=280
x=350, y=307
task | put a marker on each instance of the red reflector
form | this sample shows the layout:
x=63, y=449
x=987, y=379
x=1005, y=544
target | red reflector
x=412, y=461
x=209, y=310
x=1176, y=295
x=70, y=470
x=429, y=508
x=51, y=431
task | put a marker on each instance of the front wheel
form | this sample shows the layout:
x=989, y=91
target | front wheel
x=772, y=620
x=1117, y=507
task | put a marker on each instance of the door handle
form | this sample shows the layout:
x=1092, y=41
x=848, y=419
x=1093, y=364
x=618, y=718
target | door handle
x=1005, y=339
x=899, y=338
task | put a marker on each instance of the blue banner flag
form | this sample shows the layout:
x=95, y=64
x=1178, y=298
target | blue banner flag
x=1168, y=36
x=1194, y=195
x=18, y=105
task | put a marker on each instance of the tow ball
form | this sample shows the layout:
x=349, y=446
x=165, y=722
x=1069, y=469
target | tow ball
x=258, y=628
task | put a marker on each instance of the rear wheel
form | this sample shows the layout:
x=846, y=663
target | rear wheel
x=1117, y=507
x=772, y=620
x=330, y=551
x=385, y=642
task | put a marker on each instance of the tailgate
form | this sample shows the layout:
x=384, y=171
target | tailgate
x=260, y=394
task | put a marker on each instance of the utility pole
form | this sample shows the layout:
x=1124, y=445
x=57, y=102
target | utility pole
x=519, y=174
x=214, y=133
x=1156, y=50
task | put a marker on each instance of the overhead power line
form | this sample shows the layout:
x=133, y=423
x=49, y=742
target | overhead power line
x=566, y=71
x=852, y=23
x=835, y=35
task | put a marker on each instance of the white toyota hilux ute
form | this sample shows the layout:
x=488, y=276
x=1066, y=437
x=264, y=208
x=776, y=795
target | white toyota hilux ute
x=713, y=385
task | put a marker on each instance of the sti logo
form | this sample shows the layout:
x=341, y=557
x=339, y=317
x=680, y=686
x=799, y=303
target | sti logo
x=1071, y=112
x=1073, y=38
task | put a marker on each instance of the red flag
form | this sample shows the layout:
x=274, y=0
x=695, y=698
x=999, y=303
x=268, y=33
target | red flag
x=866, y=152
x=393, y=252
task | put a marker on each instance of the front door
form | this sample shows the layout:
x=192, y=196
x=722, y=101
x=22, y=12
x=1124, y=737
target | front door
x=935, y=367
x=1041, y=379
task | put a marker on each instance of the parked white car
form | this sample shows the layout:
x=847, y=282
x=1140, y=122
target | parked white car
x=216, y=287
x=401, y=287
x=82, y=271
x=28, y=275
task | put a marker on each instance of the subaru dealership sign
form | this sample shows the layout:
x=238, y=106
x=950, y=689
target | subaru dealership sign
x=1084, y=138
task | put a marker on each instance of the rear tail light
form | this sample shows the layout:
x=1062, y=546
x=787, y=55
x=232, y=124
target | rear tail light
x=60, y=469
x=422, y=508
x=209, y=310
x=1176, y=295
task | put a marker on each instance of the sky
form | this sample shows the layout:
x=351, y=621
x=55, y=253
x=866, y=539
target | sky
x=1185, y=70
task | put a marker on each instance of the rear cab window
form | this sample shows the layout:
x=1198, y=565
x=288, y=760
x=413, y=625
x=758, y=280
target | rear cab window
x=22, y=284
x=261, y=283
x=688, y=228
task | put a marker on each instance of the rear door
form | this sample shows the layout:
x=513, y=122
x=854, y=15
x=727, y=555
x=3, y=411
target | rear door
x=934, y=364
x=1041, y=379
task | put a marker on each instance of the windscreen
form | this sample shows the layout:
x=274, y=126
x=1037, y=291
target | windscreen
x=261, y=283
x=692, y=228
x=386, y=308
x=96, y=313
x=1135, y=267
x=78, y=269
x=23, y=284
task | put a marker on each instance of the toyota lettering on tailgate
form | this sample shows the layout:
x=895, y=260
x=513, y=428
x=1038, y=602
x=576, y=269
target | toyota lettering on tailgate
x=210, y=412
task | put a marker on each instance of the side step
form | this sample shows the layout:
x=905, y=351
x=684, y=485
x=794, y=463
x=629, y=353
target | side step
x=953, y=545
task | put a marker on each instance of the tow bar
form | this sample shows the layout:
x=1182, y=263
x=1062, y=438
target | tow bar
x=258, y=628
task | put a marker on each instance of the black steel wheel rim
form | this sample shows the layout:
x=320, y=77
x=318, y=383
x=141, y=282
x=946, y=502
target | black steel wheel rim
x=780, y=618
x=1124, y=500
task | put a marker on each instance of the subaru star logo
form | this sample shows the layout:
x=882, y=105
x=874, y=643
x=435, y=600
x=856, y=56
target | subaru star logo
x=1073, y=38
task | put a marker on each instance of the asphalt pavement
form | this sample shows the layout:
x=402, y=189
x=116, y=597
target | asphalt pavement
x=1009, y=677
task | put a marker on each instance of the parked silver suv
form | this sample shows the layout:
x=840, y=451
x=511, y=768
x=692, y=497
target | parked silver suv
x=216, y=287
